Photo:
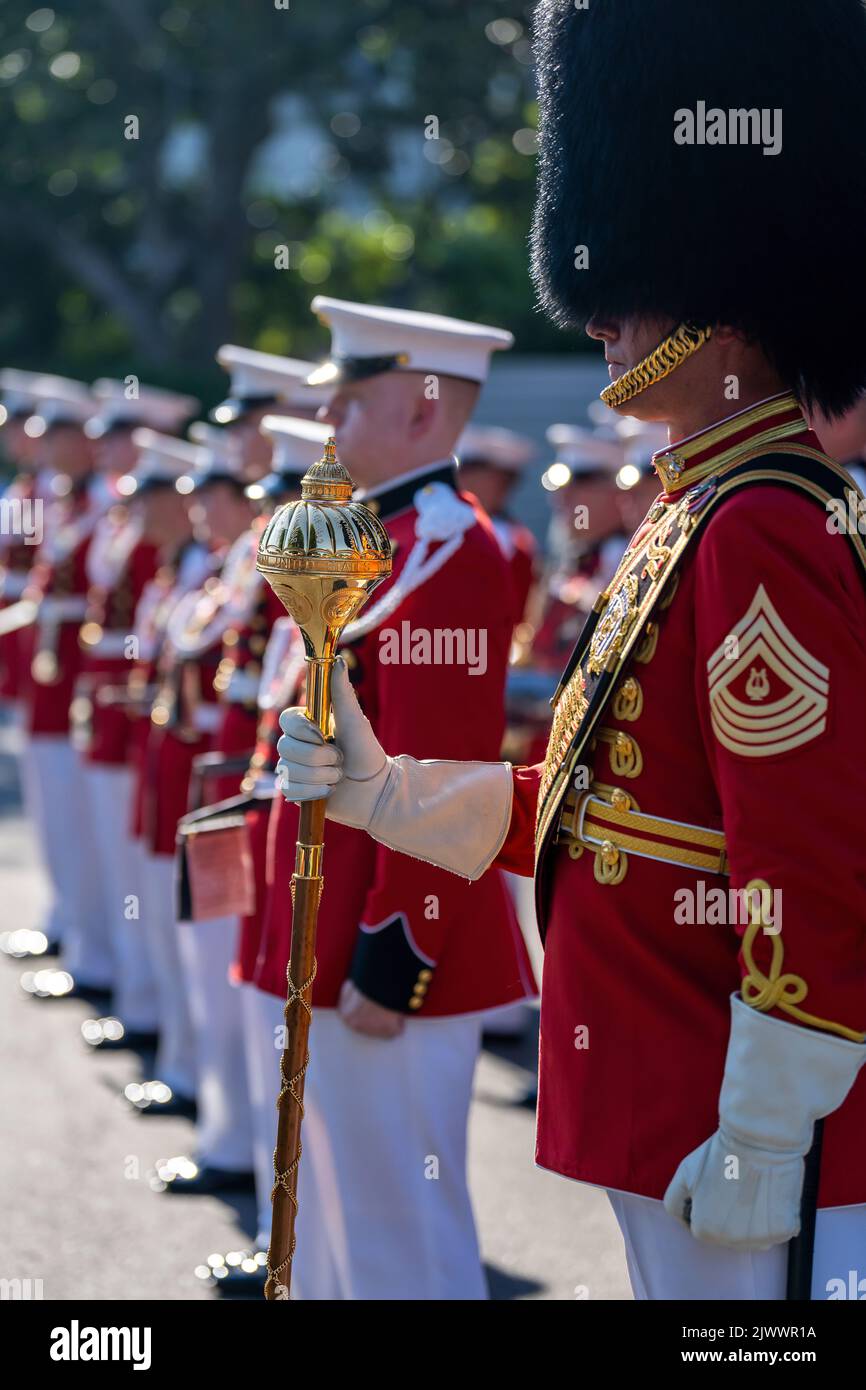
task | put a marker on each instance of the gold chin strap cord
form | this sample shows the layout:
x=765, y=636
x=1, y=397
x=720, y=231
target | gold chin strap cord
x=664, y=359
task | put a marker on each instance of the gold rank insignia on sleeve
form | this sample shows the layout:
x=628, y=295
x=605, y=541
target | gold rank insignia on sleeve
x=768, y=694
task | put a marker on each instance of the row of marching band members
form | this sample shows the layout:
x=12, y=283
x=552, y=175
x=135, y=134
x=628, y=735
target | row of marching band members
x=147, y=662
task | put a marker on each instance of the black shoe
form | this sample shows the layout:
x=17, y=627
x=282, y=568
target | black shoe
x=51, y=984
x=28, y=945
x=109, y=1035
x=239, y=1274
x=156, y=1098
x=184, y=1176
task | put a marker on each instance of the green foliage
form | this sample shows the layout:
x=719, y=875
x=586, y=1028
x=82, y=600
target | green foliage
x=289, y=124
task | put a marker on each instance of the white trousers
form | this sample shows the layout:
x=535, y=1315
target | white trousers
x=223, y=1126
x=18, y=722
x=666, y=1262
x=175, y=1058
x=109, y=792
x=384, y=1208
x=65, y=834
x=262, y=1017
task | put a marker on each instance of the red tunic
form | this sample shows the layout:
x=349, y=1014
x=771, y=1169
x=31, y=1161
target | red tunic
x=237, y=682
x=16, y=559
x=282, y=684
x=623, y=1103
x=155, y=607
x=59, y=581
x=518, y=546
x=117, y=583
x=413, y=937
x=184, y=718
x=209, y=671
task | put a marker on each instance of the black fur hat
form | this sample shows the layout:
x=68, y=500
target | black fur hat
x=772, y=243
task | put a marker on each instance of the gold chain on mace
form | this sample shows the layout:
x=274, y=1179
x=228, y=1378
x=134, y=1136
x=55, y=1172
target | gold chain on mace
x=289, y=1087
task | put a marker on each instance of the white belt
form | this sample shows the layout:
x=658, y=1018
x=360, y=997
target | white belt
x=206, y=718
x=13, y=583
x=242, y=687
x=110, y=644
x=62, y=610
x=265, y=786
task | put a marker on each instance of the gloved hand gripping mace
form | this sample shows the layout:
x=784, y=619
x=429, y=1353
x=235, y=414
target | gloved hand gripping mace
x=322, y=556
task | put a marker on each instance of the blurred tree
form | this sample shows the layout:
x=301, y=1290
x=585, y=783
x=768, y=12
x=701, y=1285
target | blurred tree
x=176, y=174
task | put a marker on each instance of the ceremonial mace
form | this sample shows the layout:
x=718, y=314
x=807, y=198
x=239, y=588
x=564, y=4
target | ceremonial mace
x=322, y=556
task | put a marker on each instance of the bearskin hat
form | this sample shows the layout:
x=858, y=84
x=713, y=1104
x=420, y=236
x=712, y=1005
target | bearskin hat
x=680, y=216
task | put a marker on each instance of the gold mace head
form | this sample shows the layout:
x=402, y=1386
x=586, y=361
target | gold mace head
x=324, y=554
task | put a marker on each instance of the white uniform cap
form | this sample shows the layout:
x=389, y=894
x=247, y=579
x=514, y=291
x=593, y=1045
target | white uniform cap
x=260, y=377
x=367, y=339
x=581, y=452
x=129, y=405
x=296, y=446
x=57, y=400
x=16, y=391
x=162, y=458
x=642, y=439
x=223, y=459
x=500, y=448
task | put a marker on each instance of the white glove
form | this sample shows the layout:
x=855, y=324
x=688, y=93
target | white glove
x=744, y=1184
x=451, y=814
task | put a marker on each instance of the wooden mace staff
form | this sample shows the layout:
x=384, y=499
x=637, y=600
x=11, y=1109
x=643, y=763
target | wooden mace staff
x=322, y=556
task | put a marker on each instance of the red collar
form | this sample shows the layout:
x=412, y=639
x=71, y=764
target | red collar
x=727, y=442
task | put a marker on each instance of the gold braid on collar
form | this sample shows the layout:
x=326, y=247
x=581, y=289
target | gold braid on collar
x=664, y=359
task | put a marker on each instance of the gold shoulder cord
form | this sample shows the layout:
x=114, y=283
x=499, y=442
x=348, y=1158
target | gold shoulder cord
x=778, y=991
x=664, y=359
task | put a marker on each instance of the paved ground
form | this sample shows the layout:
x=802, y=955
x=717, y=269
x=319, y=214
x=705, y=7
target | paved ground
x=76, y=1209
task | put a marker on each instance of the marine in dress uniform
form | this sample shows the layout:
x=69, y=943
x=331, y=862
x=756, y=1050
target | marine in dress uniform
x=707, y=733
x=408, y=959
x=491, y=464
x=162, y=745
x=262, y=383
x=51, y=657
x=637, y=479
x=18, y=545
x=296, y=445
x=199, y=1027
x=585, y=541
x=492, y=461
x=123, y=559
x=188, y=719
x=240, y=615
x=587, y=538
x=844, y=439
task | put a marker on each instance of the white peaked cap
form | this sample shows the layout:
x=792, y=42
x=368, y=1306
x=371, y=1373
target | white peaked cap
x=162, y=458
x=586, y=451
x=60, y=401
x=16, y=390
x=263, y=376
x=130, y=404
x=224, y=455
x=367, y=339
x=642, y=439
x=297, y=444
x=498, y=447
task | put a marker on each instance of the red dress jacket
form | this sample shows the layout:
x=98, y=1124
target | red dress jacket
x=744, y=716
x=119, y=566
x=58, y=581
x=410, y=936
x=16, y=559
x=161, y=757
x=282, y=684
